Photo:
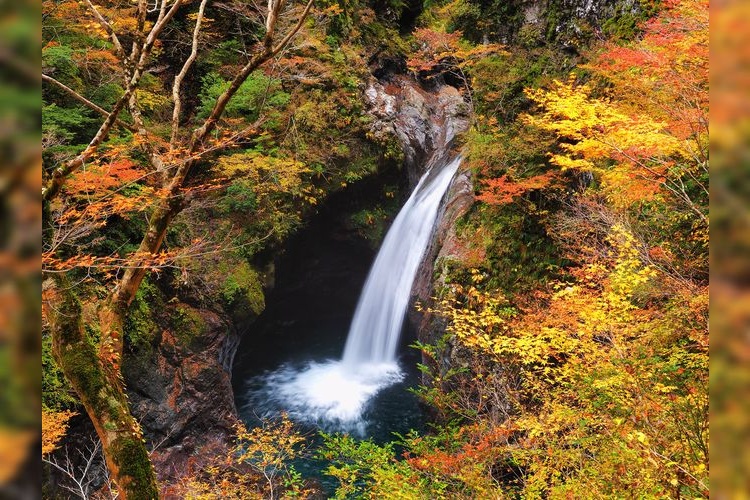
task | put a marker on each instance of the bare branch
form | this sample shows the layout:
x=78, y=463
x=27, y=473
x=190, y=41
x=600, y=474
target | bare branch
x=78, y=97
x=274, y=6
x=181, y=75
x=294, y=30
x=81, y=477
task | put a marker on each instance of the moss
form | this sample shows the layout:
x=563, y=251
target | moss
x=519, y=253
x=370, y=224
x=140, y=326
x=80, y=359
x=625, y=23
x=56, y=391
x=134, y=463
x=188, y=325
x=242, y=290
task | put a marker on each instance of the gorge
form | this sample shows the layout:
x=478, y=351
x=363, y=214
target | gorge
x=375, y=249
x=334, y=394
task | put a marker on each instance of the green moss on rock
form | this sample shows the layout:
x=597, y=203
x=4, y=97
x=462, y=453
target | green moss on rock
x=140, y=326
x=242, y=290
x=187, y=324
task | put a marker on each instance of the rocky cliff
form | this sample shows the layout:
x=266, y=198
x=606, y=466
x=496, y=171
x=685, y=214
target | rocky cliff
x=427, y=118
x=180, y=390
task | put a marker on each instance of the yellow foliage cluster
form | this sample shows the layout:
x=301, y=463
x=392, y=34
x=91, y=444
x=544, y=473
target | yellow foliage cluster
x=598, y=131
x=54, y=427
x=256, y=467
x=267, y=173
x=612, y=395
x=597, y=125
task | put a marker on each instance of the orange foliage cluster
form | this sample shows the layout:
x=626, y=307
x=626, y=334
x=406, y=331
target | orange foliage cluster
x=165, y=258
x=97, y=178
x=437, y=46
x=478, y=446
x=54, y=427
x=502, y=190
x=434, y=46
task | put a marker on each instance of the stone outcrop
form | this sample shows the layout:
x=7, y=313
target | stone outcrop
x=427, y=120
x=180, y=386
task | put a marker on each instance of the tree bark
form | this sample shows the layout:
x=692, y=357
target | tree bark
x=94, y=373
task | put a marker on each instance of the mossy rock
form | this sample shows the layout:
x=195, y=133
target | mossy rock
x=140, y=322
x=242, y=291
x=188, y=325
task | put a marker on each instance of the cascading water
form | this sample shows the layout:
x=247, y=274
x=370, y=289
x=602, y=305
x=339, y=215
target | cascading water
x=373, y=336
x=334, y=394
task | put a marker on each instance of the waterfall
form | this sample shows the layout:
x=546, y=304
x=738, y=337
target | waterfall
x=374, y=334
x=334, y=394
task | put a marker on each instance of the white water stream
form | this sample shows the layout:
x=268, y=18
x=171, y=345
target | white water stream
x=334, y=394
x=374, y=334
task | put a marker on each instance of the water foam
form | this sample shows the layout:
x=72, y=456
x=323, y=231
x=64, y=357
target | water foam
x=325, y=394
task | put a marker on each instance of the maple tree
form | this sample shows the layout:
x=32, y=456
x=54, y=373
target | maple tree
x=590, y=386
x=653, y=124
x=81, y=193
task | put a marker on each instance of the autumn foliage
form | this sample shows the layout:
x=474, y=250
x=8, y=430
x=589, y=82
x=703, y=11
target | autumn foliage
x=54, y=427
x=593, y=383
x=255, y=466
x=575, y=307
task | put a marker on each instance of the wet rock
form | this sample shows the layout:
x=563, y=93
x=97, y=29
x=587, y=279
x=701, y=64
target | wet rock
x=445, y=245
x=425, y=121
x=180, y=389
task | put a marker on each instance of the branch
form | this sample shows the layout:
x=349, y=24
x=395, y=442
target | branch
x=172, y=204
x=108, y=28
x=148, y=147
x=296, y=28
x=59, y=175
x=181, y=76
x=78, y=97
x=267, y=53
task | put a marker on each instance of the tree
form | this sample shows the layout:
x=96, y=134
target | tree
x=93, y=368
x=649, y=132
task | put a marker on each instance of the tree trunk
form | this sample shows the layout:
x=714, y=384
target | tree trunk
x=94, y=373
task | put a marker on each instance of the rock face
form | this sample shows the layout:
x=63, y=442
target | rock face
x=427, y=121
x=566, y=23
x=180, y=386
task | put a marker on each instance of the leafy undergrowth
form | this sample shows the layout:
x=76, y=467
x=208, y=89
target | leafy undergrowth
x=256, y=466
